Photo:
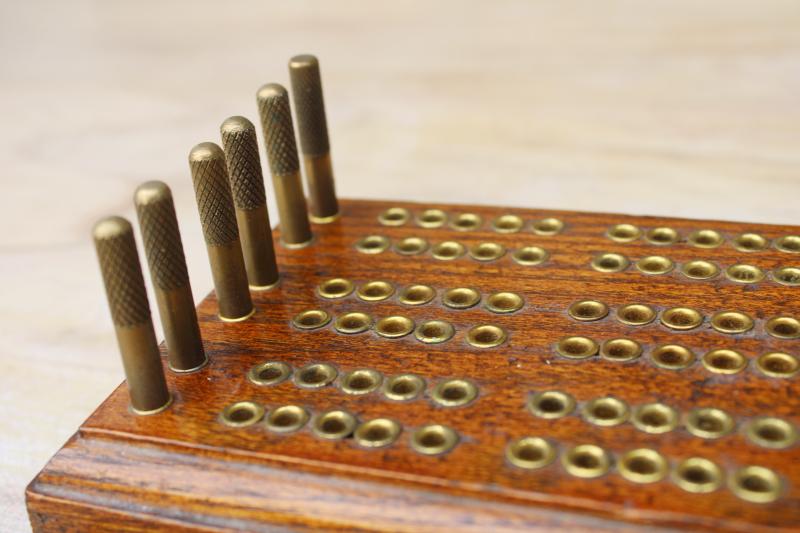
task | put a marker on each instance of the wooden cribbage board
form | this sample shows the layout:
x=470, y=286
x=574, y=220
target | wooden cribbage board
x=184, y=470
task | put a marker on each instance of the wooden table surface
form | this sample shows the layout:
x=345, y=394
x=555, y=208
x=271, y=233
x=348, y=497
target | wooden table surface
x=675, y=108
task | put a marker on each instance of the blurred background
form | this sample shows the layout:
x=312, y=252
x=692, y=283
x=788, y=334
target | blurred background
x=667, y=107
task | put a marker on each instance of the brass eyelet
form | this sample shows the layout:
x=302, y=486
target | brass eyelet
x=315, y=376
x=375, y=291
x=756, y=484
x=636, y=314
x=242, y=414
x=311, y=319
x=377, y=433
x=432, y=218
x=789, y=276
x=700, y=270
x=454, y=392
x=403, y=387
x=394, y=327
x=487, y=251
x=334, y=424
x=448, y=250
x=530, y=256
x=486, y=336
x=783, y=327
x=588, y=310
x=731, y=322
x=742, y=273
x=662, y=236
x=672, y=357
x=461, y=298
x=352, y=323
x=394, y=216
x=623, y=233
x=434, y=439
x=547, y=226
x=466, y=222
x=750, y=242
x=681, y=318
x=530, y=453
x=286, y=419
x=654, y=418
x=434, y=331
x=507, y=224
x=620, y=350
x=771, y=432
x=373, y=244
x=411, y=246
x=643, y=465
x=608, y=262
x=608, y=411
x=269, y=373
x=586, y=461
x=417, y=295
x=504, y=302
x=778, y=365
x=709, y=423
x=723, y=361
x=576, y=347
x=655, y=265
x=360, y=381
x=789, y=244
x=551, y=404
x=705, y=238
x=697, y=475
x=335, y=288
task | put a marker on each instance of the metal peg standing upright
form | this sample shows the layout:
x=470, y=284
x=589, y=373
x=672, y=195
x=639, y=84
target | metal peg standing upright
x=276, y=121
x=130, y=312
x=313, y=129
x=162, y=245
x=250, y=200
x=213, y=192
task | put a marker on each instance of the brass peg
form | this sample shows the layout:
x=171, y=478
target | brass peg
x=250, y=200
x=130, y=312
x=276, y=121
x=207, y=163
x=164, y=251
x=313, y=129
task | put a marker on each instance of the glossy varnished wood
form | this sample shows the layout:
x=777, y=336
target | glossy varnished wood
x=183, y=468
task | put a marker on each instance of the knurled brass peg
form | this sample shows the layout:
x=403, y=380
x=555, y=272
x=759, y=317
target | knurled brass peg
x=250, y=200
x=130, y=312
x=164, y=251
x=313, y=129
x=213, y=192
x=276, y=121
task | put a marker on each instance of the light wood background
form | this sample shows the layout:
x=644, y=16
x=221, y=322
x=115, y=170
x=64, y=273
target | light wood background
x=667, y=107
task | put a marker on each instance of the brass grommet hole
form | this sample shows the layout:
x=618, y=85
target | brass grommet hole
x=697, y=475
x=750, y=242
x=551, y=404
x=373, y=244
x=778, y=365
x=434, y=439
x=530, y=256
x=547, y=226
x=242, y=414
x=789, y=244
x=672, y=357
x=530, y=453
x=377, y=433
x=700, y=270
x=454, y=392
x=756, y=484
x=731, y=322
x=461, y=298
x=487, y=251
x=466, y=222
x=783, y=327
x=709, y=423
x=361, y=381
x=576, y=347
x=655, y=265
x=269, y=373
x=705, y=238
x=486, y=336
x=448, y=250
x=789, y=276
x=394, y=327
x=744, y=273
x=286, y=419
x=608, y=411
x=394, y=216
x=352, y=323
x=609, y=262
x=586, y=461
x=334, y=425
x=588, y=310
x=655, y=418
x=643, y=466
x=681, y=318
x=620, y=350
x=770, y=432
x=504, y=302
x=434, y=331
x=432, y=218
x=723, y=361
x=315, y=376
x=417, y=295
x=623, y=233
x=507, y=224
x=636, y=314
x=411, y=246
x=335, y=288
x=403, y=387
x=375, y=291
x=311, y=319
x=662, y=236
